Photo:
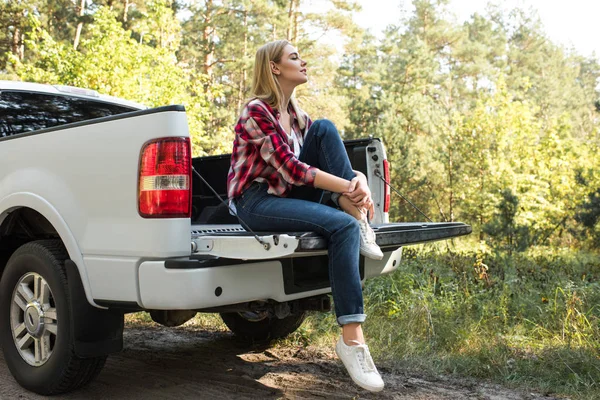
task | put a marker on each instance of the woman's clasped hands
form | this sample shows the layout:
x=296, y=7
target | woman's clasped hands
x=359, y=195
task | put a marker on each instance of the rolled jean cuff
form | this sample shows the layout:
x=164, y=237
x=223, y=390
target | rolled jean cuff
x=352, y=318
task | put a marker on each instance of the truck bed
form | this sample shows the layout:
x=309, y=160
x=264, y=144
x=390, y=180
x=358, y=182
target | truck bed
x=208, y=209
x=211, y=218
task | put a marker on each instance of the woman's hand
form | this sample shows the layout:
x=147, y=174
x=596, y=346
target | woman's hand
x=359, y=195
x=356, y=191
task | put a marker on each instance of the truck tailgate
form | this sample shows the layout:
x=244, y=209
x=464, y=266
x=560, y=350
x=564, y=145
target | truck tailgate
x=390, y=236
x=394, y=234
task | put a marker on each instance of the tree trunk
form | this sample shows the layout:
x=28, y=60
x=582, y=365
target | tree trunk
x=80, y=12
x=242, y=85
x=291, y=13
x=295, y=24
x=207, y=38
x=481, y=208
x=17, y=46
x=15, y=41
x=125, y=10
x=451, y=182
x=22, y=47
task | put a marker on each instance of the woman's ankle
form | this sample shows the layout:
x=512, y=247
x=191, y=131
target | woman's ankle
x=349, y=208
x=352, y=334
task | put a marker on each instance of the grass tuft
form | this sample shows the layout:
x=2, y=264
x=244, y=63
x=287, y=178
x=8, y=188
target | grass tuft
x=528, y=320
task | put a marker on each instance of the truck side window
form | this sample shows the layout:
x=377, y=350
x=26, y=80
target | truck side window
x=25, y=112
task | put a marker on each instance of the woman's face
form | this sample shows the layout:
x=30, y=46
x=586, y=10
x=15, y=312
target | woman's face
x=291, y=69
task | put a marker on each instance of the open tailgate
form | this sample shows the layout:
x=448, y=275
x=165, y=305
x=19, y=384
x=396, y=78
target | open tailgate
x=234, y=242
x=397, y=234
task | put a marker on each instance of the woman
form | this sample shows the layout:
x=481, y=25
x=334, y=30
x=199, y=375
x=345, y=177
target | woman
x=280, y=166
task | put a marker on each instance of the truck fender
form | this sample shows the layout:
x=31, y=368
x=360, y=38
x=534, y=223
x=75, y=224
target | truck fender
x=42, y=206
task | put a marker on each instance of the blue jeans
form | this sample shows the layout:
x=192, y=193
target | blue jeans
x=301, y=211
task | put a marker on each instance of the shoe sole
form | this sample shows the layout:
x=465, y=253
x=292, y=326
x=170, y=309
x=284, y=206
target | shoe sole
x=366, y=387
x=371, y=255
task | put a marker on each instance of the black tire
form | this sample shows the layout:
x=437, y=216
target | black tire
x=58, y=370
x=263, y=329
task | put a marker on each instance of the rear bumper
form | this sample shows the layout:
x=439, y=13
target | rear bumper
x=204, y=284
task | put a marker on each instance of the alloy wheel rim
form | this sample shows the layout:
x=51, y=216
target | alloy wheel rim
x=33, y=319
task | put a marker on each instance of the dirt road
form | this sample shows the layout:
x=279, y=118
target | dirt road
x=168, y=363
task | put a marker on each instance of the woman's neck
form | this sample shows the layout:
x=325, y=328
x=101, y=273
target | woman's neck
x=286, y=104
x=287, y=95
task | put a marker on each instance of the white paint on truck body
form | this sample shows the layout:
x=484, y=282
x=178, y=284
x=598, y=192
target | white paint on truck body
x=83, y=179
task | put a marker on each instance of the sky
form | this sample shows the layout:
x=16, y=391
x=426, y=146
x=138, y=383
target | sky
x=573, y=23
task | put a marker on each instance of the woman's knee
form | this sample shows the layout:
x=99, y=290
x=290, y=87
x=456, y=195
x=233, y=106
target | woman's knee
x=324, y=127
x=349, y=224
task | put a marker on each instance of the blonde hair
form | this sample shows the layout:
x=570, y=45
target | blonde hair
x=264, y=84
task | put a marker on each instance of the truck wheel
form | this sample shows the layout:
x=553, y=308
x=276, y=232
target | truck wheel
x=260, y=327
x=35, y=322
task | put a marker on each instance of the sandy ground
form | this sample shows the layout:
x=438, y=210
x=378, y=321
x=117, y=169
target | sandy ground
x=183, y=363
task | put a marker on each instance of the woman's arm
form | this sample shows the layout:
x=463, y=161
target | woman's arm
x=360, y=194
x=327, y=181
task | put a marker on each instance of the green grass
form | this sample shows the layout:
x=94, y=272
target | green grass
x=529, y=320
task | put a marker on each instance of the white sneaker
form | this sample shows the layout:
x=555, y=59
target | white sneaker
x=368, y=246
x=360, y=365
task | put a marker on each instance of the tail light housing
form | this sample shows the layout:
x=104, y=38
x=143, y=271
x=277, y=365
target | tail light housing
x=165, y=178
x=386, y=187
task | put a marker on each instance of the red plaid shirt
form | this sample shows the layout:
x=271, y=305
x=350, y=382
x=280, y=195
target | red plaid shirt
x=262, y=152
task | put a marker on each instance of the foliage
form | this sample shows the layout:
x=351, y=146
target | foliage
x=468, y=112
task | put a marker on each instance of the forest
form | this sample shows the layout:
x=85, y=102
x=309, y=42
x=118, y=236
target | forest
x=487, y=122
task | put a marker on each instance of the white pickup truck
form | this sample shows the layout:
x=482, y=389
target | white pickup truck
x=103, y=212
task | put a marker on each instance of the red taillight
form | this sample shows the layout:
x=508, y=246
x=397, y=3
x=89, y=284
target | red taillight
x=386, y=189
x=164, y=183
